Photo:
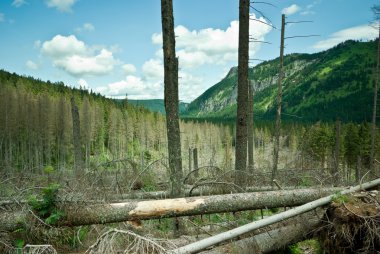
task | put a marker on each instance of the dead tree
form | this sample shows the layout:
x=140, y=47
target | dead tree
x=374, y=110
x=78, y=155
x=276, y=146
x=87, y=213
x=171, y=98
x=250, y=129
x=242, y=97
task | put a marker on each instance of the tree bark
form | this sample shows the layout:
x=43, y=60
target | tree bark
x=242, y=97
x=231, y=234
x=250, y=129
x=337, y=153
x=171, y=98
x=276, y=148
x=87, y=214
x=195, y=159
x=276, y=236
x=78, y=155
x=374, y=111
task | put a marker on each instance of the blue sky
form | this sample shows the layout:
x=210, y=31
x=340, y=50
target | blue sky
x=115, y=47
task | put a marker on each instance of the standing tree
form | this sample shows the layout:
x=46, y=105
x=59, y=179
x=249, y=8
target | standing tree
x=279, y=102
x=242, y=97
x=250, y=128
x=78, y=156
x=376, y=10
x=171, y=97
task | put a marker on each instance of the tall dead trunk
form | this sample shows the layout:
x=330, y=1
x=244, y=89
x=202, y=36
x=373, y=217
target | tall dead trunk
x=374, y=111
x=78, y=155
x=337, y=152
x=195, y=159
x=250, y=128
x=242, y=97
x=276, y=145
x=171, y=97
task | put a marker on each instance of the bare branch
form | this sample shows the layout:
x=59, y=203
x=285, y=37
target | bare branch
x=260, y=41
x=261, y=13
x=297, y=22
x=302, y=36
x=253, y=2
x=263, y=22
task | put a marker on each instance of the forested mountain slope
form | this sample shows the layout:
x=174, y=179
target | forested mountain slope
x=337, y=83
x=156, y=105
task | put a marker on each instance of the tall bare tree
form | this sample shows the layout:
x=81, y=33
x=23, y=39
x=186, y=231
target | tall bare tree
x=242, y=97
x=250, y=128
x=171, y=97
x=78, y=155
x=376, y=10
x=276, y=148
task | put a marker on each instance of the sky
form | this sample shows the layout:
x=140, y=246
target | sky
x=114, y=47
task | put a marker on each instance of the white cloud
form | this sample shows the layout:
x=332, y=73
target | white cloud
x=73, y=56
x=153, y=69
x=290, y=10
x=61, y=46
x=31, y=65
x=134, y=86
x=2, y=17
x=128, y=69
x=363, y=32
x=61, y=5
x=195, y=48
x=88, y=27
x=82, y=83
x=18, y=3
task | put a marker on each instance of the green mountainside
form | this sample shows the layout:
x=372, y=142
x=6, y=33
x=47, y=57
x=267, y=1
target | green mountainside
x=156, y=105
x=337, y=83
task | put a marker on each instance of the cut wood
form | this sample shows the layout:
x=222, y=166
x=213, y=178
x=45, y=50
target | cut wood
x=231, y=234
x=82, y=214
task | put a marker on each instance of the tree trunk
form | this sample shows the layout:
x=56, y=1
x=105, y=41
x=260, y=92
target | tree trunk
x=250, y=129
x=78, y=156
x=242, y=97
x=171, y=97
x=274, y=237
x=195, y=159
x=87, y=214
x=276, y=146
x=374, y=112
x=337, y=153
x=231, y=234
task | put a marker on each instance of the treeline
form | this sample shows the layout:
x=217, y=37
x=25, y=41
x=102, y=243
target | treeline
x=36, y=127
x=36, y=130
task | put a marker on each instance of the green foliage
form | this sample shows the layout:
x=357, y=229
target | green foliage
x=46, y=206
x=339, y=198
x=49, y=169
x=75, y=239
x=311, y=246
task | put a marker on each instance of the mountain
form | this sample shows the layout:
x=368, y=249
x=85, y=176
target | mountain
x=156, y=105
x=336, y=83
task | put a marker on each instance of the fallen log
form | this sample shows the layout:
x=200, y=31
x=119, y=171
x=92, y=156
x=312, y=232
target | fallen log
x=275, y=236
x=231, y=234
x=77, y=215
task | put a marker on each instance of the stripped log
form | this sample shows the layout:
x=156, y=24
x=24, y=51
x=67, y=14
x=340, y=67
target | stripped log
x=77, y=215
x=231, y=234
x=278, y=237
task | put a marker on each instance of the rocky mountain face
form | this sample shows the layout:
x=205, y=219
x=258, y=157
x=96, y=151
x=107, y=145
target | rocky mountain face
x=336, y=83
